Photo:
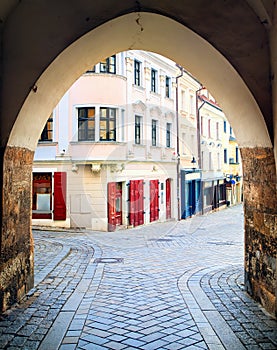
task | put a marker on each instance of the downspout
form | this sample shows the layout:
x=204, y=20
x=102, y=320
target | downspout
x=200, y=160
x=178, y=140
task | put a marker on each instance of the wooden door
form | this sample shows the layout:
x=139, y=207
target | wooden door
x=168, y=198
x=136, y=203
x=114, y=205
x=60, y=196
x=154, y=200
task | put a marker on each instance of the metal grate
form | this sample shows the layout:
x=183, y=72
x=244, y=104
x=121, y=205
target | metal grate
x=108, y=260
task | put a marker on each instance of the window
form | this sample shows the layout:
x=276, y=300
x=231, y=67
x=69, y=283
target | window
x=231, y=130
x=183, y=94
x=154, y=132
x=210, y=161
x=86, y=124
x=47, y=133
x=184, y=148
x=202, y=126
x=168, y=135
x=191, y=104
x=167, y=87
x=107, y=124
x=153, y=80
x=192, y=144
x=225, y=156
x=138, y=129
x=237, y=155
x=217, y=130
x=108, y=65
x=218, y=161
x=137, y=73
x=225, y=126
x=209, y=128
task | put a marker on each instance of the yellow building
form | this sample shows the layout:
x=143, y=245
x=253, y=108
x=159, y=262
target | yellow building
x=232, y=166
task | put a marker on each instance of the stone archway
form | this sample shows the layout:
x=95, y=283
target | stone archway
x=143, y=31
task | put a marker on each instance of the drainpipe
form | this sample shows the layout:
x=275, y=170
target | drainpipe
x=178, y=140
x=200, y=160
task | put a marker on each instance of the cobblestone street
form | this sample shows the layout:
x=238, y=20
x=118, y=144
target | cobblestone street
x=171, y=285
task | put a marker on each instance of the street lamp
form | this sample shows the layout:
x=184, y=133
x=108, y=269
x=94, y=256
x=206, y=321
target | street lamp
x=193, y=162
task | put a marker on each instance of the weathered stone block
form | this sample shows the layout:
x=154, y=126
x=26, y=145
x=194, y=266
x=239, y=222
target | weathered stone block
x=260, y=207
x=17, y=258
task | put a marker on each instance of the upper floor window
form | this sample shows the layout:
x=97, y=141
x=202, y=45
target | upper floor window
x=47, y=132
x=202, y=126
x=210, y=161
x=237, y=155
x=154, y=80
x=209, y=128
x=217, y=130
x=184, y=148
x=225, y=126
x=86, y=124
x=168, y=135
x=107, y=124
x=154, y=132
x=137, y=73
x=108, y=65
x=225, y=156
x=183, y=96
x=167, y=86
x=231, y=130
x=138, y=129
x=192, y=104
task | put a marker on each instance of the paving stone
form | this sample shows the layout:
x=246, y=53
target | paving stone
x=157, y=344
x=117, y=337
x=70, y=340
x=67, y=347
x=115, y=345
x=94, y=339
x=133, y=342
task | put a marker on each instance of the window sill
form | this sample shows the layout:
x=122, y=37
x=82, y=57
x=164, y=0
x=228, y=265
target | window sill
x=156, y=94
x=139, y=145
x=138, y=87
x=97, y=142
x=47, y=143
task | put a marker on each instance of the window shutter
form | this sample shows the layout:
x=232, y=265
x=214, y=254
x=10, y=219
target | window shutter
x=136, y=208
x=60, y=196
x=111, y=206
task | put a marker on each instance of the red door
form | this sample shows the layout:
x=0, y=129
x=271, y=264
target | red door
x=154, y=200
x=60, y=196
x=42, y=196
x=168, y=198
x=114, y=205
x=136, y=203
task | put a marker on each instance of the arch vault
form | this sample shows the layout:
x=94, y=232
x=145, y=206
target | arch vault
x=37, y=72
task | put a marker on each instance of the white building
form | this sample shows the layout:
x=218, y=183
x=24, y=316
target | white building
x=108, y=156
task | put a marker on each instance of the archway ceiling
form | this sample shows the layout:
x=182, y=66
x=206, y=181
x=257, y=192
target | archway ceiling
x=234, y=28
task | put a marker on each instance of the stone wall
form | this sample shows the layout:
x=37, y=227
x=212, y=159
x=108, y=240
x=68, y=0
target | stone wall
x=17, y=258
x=259, y=181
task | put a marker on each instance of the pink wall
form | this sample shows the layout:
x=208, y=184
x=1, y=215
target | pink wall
x=93, y=89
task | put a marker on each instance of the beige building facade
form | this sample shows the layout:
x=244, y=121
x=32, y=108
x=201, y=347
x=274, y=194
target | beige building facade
x=120, y=137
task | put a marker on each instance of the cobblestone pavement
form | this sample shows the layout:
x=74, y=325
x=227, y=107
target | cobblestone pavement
x=172, y=285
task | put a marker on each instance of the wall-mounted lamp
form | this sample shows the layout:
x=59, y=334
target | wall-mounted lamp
x=193, y=162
